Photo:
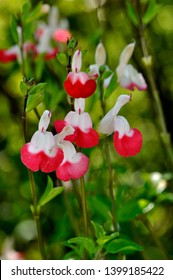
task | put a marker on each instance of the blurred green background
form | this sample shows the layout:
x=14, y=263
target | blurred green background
x=146, y=177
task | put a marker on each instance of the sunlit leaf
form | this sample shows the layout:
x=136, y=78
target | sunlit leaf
x=50, y=192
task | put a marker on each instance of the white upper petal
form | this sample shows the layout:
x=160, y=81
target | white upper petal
x=124, y=58
x=37, y=142
x=122, y=126
x=106, y=125
x=44, y=121
x=76, y=61
x=82, y=121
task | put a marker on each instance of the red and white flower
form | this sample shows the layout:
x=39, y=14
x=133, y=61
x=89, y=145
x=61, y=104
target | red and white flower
x=128, y=76
x=79, y=84
x=127, y=141
x=74, y=164
x=84, y=135
x=56, y=30
x=41, y=153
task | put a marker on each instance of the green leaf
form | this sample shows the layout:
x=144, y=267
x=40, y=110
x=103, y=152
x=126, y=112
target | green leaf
x=99, y=230
x=23, y=87
x=132, y=13
x=35, y=14
x=151, y=11
x=34, y=100
x=131, y=210
x=123, y=246
x=37, y=88
x=104, y=239
x=25, y=11
x=83, y=243
x=50, y=192
x=111, y=87
x=62, y=58
x=13, y=29
x=106, y=74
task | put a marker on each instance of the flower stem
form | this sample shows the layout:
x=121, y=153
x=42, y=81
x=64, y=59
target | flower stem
x=108, y=161
x=84, y=205
x=165, y=136
x=156, y=239
x=36, y=215
x=35, y=209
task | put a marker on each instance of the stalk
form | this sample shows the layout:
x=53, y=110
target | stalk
x=84, y=205
x=165, y=136
x=108, y=161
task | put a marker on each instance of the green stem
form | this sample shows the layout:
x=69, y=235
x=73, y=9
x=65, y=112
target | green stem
x=84, y=205
x=165, y=136
x=108, y=161
x=36, y=215
x=156, y=239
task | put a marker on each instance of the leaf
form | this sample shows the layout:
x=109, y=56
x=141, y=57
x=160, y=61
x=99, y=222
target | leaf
x=132, y=13
x=25, y=11
x=106, y=74
x=34, y=14
x=123, y=246
x=50, y=192
x=62, y=58
x=99, y=230
x=13, y=29
x=23, y=87
x=84, y=243
x=104, y=239
x=151, y=11
x=34, y=100
x=131, y=210
x=37, y=88
x=112, y=86
x=36, y=95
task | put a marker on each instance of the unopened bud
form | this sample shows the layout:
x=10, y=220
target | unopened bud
x=147, y=61
x=100, y=55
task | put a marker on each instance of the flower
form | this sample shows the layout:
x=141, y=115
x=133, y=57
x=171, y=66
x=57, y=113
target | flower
x=127, y=141
x=14, y=53
x=55, y=30
x=41, y=152
x=84, y=135
x=128, y=77
x=74, y=164
x=79, y=84
x=100, y=60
